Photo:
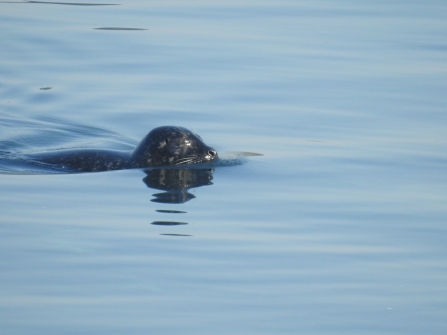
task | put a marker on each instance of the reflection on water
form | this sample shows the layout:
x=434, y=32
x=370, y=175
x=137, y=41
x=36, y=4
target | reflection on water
x=68, y=3
x=168, y=223
x=340, y=227
x=176, y=182
x=175, y=235
x=118, y=28
x=169, y=211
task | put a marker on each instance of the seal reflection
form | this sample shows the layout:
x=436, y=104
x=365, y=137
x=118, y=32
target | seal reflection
x=175, y=184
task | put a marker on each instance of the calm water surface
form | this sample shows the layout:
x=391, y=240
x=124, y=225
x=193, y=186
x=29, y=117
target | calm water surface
x=339, y=228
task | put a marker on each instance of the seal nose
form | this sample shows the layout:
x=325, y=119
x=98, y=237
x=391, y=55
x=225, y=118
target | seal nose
x=212, y=154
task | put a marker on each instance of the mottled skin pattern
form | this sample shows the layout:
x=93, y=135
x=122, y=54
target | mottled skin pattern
x=166, y=146
x=163, y=146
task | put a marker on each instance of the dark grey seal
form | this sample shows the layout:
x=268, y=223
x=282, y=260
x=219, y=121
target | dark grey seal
x=163, y=146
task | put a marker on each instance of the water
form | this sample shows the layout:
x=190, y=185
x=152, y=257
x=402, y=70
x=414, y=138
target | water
x=339, y=227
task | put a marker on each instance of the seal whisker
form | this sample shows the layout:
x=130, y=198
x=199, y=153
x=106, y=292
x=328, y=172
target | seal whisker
x=186, y=160
x=183, y=163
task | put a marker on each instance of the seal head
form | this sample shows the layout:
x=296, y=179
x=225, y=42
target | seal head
x=165, y=146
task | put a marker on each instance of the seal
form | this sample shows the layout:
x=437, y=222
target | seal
x=163, y=146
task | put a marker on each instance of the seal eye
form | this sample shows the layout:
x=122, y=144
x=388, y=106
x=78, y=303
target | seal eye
x=212, y=153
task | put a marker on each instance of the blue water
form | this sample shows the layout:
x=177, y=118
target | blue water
x=339, y=228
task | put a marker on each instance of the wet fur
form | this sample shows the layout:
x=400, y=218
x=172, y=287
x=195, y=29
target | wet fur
x=163, y=146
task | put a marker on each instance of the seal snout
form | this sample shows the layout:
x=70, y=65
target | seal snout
x=211, y=154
